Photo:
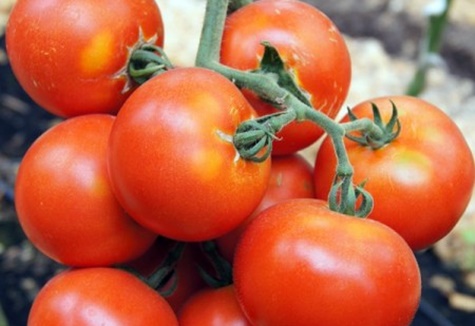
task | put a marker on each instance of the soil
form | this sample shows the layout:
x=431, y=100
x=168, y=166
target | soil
x=383, y=36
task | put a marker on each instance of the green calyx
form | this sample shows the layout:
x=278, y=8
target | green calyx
x=221, y=267
x=344, y=195
x=146, y=62
x=272, y=65
x=254, y=138
x=381, y=133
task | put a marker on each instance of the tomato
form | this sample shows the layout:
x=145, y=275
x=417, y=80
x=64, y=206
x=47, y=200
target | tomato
x=186, y=279
x=421, y=182
x=70, y=56
x=291, y=177
x=298, y=263
x=312, y=48
x=64, y=198
x=213, y=307
x=172, y=162
x=99, y=296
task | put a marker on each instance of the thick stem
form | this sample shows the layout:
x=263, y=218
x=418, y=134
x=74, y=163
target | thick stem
x=266, y=87
x=212, y=32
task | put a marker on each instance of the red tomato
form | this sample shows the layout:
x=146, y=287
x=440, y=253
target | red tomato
x=70, y=56
x=291, y=177
x=65, y=202
x=186, y=279
x=213, y=307
x=99, y=296
x=421, y=182
x=172, y=161
x=312, y=48
x=298, y=263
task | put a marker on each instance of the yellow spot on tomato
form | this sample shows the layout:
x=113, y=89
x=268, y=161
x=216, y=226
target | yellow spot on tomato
x=97, y=53
x=208, y=164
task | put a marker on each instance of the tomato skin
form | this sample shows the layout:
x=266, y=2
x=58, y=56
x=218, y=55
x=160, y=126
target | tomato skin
x=68, y=54
x=421, y=182
x=172, y=164
x=310, y=45
x=64, y=199
x=99, y=296
x=298, y=263
x=291, y=177
x=213, y=307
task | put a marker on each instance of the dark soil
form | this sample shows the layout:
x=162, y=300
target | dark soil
x=23, y=270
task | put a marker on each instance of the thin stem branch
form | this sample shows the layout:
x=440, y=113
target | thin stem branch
x=266, y=87
x=430, y=44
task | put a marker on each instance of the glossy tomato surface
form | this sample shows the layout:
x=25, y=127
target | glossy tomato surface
x=64, y=199
x=213, y=307
x=291, y=177
x=99, y=296
x=298, y=263
x=172, y=162
x=70, y=56
x=312, y=48
x=421, y=182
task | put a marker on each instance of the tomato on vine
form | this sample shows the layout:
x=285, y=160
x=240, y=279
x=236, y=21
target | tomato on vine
x=312, y=48
x=64, y=200
x=421, y=181
x=213, y=307
x=172, y=161
x=99, y=296
x=298, y=263
x=71, y=56
x=291, y=177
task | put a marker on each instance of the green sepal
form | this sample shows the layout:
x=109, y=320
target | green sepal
x=222, y=268
x=272, y=64
x=389, y=131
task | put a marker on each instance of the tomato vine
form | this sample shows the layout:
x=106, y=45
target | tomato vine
x=260, y=132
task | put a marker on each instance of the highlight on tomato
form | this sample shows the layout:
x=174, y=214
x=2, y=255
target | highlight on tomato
x=298, y=263
x=421, y=182
x=312, y=48
x=71, y=56
x=99, y=296
x=291, y=177
x=213, y=307
x=172, y=161
x=64, y=199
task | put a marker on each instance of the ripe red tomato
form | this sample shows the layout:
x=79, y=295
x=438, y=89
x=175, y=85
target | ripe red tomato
x=213, y=307
x=70, y=56
x=291, y=177
x=99, y=296
x=421, y=182
x=172, y=162
x=65, y=202
x=312, y=48
x=298, y=263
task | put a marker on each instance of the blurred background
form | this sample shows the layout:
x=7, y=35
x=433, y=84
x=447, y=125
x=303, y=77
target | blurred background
x=384, y=39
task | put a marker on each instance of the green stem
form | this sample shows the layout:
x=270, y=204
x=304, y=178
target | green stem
x=430, y=46
x=212, y=32
x=267, y=87
x=236, y=4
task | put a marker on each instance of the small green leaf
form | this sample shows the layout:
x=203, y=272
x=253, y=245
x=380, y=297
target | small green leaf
x=272, y=63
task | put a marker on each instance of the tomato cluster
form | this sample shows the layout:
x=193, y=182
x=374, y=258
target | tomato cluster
x=143, y=193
